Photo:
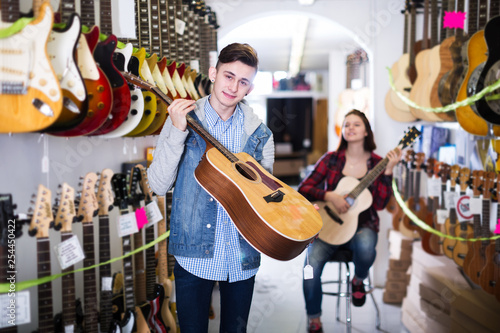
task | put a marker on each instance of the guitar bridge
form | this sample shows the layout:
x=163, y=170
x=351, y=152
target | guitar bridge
x=274, y=197
x=333, y=215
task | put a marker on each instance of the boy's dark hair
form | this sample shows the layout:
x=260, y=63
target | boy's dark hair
x=238, y=52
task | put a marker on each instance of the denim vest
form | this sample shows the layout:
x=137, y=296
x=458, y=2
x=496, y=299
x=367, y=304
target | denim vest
x=194, y=211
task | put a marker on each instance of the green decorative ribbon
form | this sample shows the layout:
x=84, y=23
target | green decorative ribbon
x=425, y=226
x=4, y=287
x=17, y=26
x=450, y=107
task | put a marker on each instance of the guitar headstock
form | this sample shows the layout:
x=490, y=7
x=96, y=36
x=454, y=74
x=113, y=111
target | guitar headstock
x=145, y=183
x=7, y=214
x=66, y=213
x=430, y=165
x=443, y=172
x=410, y=136
x=88, y=206
x=42, y=217
x=488, y=183
x=454, y=172
x=119, y=183
x=134, y=195
x=498, y=188
x=477, y=181
x=419, y=160
x=409, y=157
x=104, y=192
x=464, y=179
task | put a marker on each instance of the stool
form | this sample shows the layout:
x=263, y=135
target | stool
x=345, y=256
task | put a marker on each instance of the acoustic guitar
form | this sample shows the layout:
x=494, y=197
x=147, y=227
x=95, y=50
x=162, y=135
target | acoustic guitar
x=274, y=218
x=31, y=97
x=489, y=279
x=397, y=219
x=340, y=228
x=432, y=167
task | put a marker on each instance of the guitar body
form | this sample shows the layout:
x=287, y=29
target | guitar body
x=162, y=66
x=448, y=243
x=154, y=316
x=490, y=274
x=461, y=248
x=474, y=261
x=123, y=60
x=489, y=111
x=281, y=227
x=419, y=208
x=176, y=79
x=141, y=323
x=128, y=322
x=340, y=232
x=402, y=84
x=103, y=55
x=446, y=64
x=75, y=103
x=166, y=314
x=434, y=70
x=99, y=92
x=31, y=96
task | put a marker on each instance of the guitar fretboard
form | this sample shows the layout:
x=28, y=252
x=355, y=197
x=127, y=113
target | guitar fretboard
x=106, y=24
x=105, y=314
x=68, y=286
x=89, y=278
x=128, y=277
x=155, y=27
x=88, y=13
x=143, y=25
x=45, y=312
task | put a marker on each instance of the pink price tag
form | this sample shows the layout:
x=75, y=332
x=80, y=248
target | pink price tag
x=140, y=216
x=497, y=229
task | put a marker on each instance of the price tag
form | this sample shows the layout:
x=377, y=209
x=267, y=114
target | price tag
x=127, y=225
x=433, y=187
x=107, y=283
x=308, y=272
x=450, y=199
x=462, y=206
x=497, y=229
x=442, y=215
x=153, y=213
x=476, y=206
x=141, y=218
x=180, y=25
x=69, y=252
x=15, y=309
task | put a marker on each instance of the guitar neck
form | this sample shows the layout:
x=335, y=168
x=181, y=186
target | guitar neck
x=87, y=12
x=369, y=178
x=105, y=314
x=434, y=23
x=162, y=247
x=180, y=38
x=106, y=21
x=143, y=19
x=150, y=260
x=473, y=17
x=139, y=273
x=68, y=287
x=9, y=11
x=485, y=223
x=89, y=277
x=45, y=311
x=155, y=24
x=172, y=37
x=483, y=14
x=128, y=274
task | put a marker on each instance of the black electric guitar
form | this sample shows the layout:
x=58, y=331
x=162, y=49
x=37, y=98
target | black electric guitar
x=339, y=228
x=41, y=221
x=274, y=218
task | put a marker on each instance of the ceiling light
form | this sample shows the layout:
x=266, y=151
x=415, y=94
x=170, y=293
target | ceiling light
x=306, y=2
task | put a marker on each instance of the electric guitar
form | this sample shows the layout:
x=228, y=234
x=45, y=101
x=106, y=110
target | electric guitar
x=105, y=200
x=155, y=291
x=339, y=228
x=464, y=229
x=450, y=225
x=87, y=209
x=31, y=96
x=489, y=278
x=64, y=219
x=41, y=221
x=273, y=218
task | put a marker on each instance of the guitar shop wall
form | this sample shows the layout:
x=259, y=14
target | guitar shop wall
x=374, y=26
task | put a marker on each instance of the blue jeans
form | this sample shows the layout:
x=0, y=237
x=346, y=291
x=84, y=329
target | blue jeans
x=363, y=250
x=193, y=296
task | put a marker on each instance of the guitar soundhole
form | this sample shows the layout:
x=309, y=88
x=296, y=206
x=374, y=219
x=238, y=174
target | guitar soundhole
x=246, y=171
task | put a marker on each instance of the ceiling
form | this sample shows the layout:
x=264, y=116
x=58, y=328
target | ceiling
x=272, y=37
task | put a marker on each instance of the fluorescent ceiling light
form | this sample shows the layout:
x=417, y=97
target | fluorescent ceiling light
x=306, y=2
x=297, y=49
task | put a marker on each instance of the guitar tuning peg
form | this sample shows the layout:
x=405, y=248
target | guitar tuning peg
x=59, y=186
x=80, y=184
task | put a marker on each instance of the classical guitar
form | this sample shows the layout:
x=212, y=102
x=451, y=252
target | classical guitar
x=339, y=228
x=476, y=56
x=126, y=324
x=87, y=209
x=417, y=93
x=273, y=218
x=464, y=229
x=124, y=61
x=31, y=96
x=489, y=279
x=64, y=219
x=489, y=110
x=155, y=291
x=463, y=176
x=105, y=200
x=416, y=203
x=476, y=255
x=61, y=48
x=41, y=221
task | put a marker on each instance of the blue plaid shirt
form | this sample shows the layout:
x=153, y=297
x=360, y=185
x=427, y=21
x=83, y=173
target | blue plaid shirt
x=226, y=263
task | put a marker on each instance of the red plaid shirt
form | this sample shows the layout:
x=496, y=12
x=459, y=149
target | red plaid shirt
x=328, y=172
